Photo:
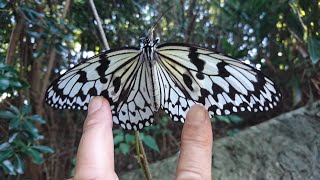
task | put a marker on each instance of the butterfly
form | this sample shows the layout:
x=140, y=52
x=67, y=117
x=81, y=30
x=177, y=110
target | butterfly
x=173, y=76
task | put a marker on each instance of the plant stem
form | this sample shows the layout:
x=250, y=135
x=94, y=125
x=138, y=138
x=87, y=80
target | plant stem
x=141, y=157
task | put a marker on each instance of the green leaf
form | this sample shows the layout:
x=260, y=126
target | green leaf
x=150, y=142
x=224, y=119
x=3, y=3
x=233, y=132
x=37, y=118
x=13, y=137
x=230, y=119
x=44, y=149
x=6, y=154
x=32, y=13
x=296, y=92
x=20, y=143
x=4, y=84
x=14, y=123
x=124, y=148
x=7, y=115
x=9, y=166
x=2, y=66
x=15, y=84
x=117, y=131
x=73, y=165
x=10, y=74
x=15, y=110
x=35, y=155
x=4, y=146
x=19, y=164
x=314, y=49
x=30, y=128
x=26, y=109
x=118, y=139
x=129, y=138
x=235, y=119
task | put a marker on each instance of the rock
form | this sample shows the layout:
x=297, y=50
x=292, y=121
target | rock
x=286, y=147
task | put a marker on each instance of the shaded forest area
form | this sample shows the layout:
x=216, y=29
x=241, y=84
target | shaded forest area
x=42, y=39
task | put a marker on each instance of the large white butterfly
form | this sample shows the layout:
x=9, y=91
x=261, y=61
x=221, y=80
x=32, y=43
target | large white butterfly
x=173, y=77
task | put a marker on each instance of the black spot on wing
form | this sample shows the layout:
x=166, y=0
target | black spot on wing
x=222, y=69
x=93, y=92
x=204, y=94
x=116, y=84
x=188, y=81
x=200, y=76
x=83, y=77
x=199, y=63
x=194, y=57
x=104, y=64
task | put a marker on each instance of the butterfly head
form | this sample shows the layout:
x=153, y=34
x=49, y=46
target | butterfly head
x=147, y=42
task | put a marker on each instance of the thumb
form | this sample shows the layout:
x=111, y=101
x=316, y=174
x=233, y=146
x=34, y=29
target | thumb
x=196, y=146
x=95, y=157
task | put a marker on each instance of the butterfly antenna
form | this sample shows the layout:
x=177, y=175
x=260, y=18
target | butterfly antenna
x=151, y=30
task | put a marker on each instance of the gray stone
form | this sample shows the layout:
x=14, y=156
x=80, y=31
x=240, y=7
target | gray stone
x=286, y=147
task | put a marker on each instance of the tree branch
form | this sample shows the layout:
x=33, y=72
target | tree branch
x=66, y=8
x=96, y=16
x=192, y=19
x=14, y=39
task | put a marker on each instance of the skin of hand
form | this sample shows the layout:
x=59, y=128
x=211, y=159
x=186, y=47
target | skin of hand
x=95, y=157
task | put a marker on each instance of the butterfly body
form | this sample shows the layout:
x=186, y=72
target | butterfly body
x=173, y=77
x=148, y=55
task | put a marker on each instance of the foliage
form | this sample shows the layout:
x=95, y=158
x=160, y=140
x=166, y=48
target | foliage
x=314, y=49
x=73, y=166
x=56, y=34
x=10, y=80
x=282, y=36
x=21, y=140
x=230, y=119
x=123, y=142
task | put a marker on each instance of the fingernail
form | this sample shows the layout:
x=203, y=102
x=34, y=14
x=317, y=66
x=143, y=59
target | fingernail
x=197, y=115
x=94, y=105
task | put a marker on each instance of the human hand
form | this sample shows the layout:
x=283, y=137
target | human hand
x=95, y=157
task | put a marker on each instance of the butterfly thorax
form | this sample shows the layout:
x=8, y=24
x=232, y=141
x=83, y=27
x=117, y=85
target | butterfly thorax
x=148, y=48
x=148, y=56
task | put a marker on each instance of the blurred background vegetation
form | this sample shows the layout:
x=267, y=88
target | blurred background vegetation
x=42, y=39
